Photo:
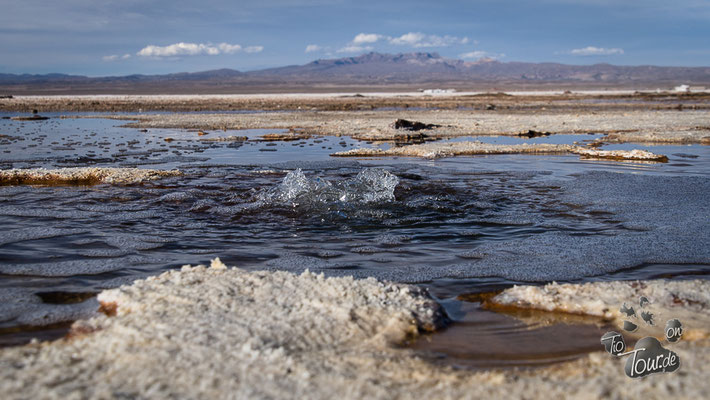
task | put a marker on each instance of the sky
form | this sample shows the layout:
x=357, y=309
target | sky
x=122, y=37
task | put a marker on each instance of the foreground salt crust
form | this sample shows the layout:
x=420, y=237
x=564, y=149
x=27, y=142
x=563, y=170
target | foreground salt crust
x=82, y=175
x=228, y=333
x=689, y=301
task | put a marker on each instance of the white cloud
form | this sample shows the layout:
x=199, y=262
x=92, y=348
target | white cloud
x=116, y=57
x=363, y=38
x=362, y=41
x=478, y=54
x=194, y=49
x=254, y=49
x=474, y=54
x=312, y=48
x=418, y=39
x=354, y=49
x=596, y=51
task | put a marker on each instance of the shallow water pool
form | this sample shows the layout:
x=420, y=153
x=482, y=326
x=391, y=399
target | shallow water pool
x=457, y=225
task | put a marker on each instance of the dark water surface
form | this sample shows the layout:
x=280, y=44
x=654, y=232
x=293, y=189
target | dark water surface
x=457, y=225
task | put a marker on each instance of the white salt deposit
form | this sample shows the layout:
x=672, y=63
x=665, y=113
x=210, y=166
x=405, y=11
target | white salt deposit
x=227, y=333
x=631, y=155
x=83, y=175
x=438, y=150
x=688, y=301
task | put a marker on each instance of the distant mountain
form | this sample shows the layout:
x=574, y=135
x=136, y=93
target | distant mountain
x=431, y=67
x=367, y=70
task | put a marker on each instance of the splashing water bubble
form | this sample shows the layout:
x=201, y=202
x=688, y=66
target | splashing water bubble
x=370, y=186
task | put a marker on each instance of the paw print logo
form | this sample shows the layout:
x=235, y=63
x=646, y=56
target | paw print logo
x=648, y=356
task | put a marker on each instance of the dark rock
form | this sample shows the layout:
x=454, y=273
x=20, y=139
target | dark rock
x=684, y=155
x=531, y=134
x=34, y=117
x=413, y=125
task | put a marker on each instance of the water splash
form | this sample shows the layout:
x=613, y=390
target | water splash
x=370, y=186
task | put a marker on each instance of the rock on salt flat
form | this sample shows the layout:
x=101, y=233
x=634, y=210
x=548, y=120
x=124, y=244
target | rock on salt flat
x=82, y=175
x=227, y=333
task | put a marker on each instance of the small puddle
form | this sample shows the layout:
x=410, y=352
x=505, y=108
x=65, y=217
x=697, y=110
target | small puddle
x=484, y=339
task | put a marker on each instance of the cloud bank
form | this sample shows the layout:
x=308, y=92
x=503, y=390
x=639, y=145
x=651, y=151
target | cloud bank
x=362, y=38
x=596, y=51
x=312, y=48
x=418, y=39
x=195, y=49
x=478, y=54
x=363, y=41
x=354, y=49
x=116, y=57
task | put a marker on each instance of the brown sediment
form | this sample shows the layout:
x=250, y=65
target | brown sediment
x=478, y=297
x=286, y=137
x=534, y=315
x=226, y=139
x=108, y=308
x=81, y=176
x=31, y=118
x=59, y=297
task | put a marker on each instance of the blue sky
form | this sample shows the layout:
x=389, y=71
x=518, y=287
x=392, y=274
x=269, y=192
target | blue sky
x=120, y=37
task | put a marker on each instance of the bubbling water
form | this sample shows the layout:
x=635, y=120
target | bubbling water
x=370, y=186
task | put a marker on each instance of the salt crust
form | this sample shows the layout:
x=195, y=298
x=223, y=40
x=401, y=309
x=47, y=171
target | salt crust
x=437, y=150
x=83, y=175
x=689, y=301
x=228, y=333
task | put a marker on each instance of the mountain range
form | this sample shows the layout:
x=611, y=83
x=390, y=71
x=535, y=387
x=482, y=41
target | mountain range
x=372, y=70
